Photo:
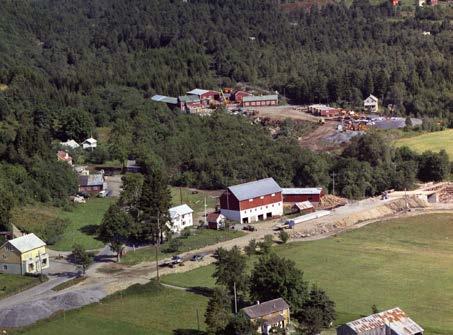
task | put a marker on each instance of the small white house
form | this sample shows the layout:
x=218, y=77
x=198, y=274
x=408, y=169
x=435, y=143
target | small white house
x=70, y=144
x=181, y=217
x=371, y=104
x=89, y=143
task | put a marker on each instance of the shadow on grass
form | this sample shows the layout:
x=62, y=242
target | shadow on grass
x=187, y=332
x=90, y=229
x=204, y=291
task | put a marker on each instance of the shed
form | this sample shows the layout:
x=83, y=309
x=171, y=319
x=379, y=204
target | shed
x=216, y=220
x=303, y=207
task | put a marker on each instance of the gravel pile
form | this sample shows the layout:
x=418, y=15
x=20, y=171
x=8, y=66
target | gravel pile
x=340, y=138
x=28, y=313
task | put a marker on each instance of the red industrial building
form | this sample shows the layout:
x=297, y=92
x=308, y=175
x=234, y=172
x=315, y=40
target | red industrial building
x=238, y=96
x=205, y=96
x=253, y=201
x=260, y=100
x=294, y=195
x=188, y=103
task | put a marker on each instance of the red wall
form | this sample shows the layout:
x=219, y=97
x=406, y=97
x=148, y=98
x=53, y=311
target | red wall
x=234, y=204
x=90, y=189
x=302, y=197
x=260, y=103
x=211, y=95
x=239, y=95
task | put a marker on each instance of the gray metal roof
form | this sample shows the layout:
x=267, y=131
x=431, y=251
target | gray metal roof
x=163, y=98
x=301, y=190
x=266, y=308
x=303, y=205
x=255, y=189
x=180, y=210
x=198, y=91
x=189, y=98
x=27, y=242
x=260, y=97
x=91, y=180
x=394, y=319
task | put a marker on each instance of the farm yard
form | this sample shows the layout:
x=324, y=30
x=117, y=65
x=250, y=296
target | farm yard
x=405, y=262
x=434, y=141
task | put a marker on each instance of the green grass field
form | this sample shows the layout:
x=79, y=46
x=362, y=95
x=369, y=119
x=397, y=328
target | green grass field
x=405, y=262
x=84, y=220
x=10, y=284
x=199, y=239
x=435, y=141
x=140, y=310
x=194, y=200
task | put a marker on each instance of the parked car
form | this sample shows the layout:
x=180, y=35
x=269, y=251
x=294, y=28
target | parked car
x=102, y=194
x=79, y=199
x=197, y=258
x=249, y=228
x=175, y=260
x=83, y=194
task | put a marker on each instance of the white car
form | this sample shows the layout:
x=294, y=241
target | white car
x=102, y=194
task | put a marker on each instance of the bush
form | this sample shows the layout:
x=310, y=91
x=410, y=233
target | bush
x=284, y=236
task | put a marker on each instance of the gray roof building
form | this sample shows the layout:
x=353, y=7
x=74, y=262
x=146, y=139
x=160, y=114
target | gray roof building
x=391, y=322
x=91, y=180
x=27, y=242
x=266, y=308
x=255, y=189
x=298, y=190
x=260, y=98
x=163, y=98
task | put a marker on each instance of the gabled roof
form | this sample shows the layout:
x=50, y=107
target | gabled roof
x=265, y=308
x=91, y=180
x=27, y=242
x=180, y=210
x=394, y=319
x=371, y=96
x=163, y=98
x=255, y=189
x=90, y=140
x=198, y=91
x=70, y=143
x=303, y=205
x=260, y=97
x=301, y=190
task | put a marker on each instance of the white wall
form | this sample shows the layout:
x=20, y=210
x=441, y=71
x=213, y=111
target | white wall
x=181, y=222
x=252, y=214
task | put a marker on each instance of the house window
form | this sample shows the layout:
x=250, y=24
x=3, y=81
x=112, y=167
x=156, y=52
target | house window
x=250, y=200
x=262, y=197
x=5, y=267
x=44, y=261
x=273, y=195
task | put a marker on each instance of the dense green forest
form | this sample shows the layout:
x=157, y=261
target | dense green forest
x=68, y=67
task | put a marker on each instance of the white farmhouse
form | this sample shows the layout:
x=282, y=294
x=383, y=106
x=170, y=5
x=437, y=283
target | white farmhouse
x=181, y=217
x=89, y=143
x=371, y=104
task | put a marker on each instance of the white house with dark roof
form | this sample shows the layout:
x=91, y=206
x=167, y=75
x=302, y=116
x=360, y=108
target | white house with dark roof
x=89, y=143
x=70, y=144
x=371, y=104
x=181, y=217
x=391, y=322
x=254, y=201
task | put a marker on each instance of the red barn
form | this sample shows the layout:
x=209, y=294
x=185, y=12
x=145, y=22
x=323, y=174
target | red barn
x=239, y=96
x=205, y=96
x=262, y=100
x=294, y=195
x=253, y=201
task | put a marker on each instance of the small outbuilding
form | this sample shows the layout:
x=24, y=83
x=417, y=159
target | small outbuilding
x=371, y=104
x=391, y=322
x=216, y=220
x=300, y=194
x=70, y=144
x=303, y=207
x=93, y=183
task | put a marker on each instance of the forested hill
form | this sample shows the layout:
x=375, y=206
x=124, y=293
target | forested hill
x=70, y=66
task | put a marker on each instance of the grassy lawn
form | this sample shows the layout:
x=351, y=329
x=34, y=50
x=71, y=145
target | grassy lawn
x=435, y=141
x=140, y=310
x=11, y=284
x=84, y=220
x=194, y=200
x=406, y=262
x=199, y=239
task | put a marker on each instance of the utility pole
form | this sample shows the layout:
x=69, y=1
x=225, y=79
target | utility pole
x=205, y=214
x=157, y=247
x=180, y=195
x=198, y=321
x=333, y=182
x=235, y=299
